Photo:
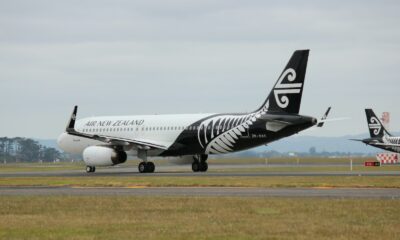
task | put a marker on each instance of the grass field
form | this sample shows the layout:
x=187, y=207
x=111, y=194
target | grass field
x=205, y=181
x=41, y=167
x=133, y=217
x=117, y=217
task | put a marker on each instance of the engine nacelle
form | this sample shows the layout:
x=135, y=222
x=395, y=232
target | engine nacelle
x=103, y=156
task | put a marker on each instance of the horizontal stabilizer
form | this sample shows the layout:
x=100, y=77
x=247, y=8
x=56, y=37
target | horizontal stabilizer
x=322, y=121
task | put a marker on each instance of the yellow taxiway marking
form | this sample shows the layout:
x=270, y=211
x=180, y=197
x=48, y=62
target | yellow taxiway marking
x=323, y=187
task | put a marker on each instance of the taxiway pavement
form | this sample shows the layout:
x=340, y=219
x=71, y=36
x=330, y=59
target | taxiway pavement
x=391, y=193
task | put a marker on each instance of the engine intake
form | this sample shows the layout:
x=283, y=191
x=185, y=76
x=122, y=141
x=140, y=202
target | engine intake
x=103, y=156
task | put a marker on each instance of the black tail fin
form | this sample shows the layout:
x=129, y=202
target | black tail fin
x=376, y=129
x=286, y=94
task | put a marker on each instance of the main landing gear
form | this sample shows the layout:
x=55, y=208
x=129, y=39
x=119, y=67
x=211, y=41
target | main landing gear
x=90, y=169
x=146, y=167
x=199, y=163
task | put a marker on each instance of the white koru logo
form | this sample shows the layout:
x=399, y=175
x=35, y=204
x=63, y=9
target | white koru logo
x=73, y=117
x=375, y=125
x=286, y=88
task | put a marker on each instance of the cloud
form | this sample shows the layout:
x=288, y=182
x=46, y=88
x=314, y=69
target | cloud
x=144, y=57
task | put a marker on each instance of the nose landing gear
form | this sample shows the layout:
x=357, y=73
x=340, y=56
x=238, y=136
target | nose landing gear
x=90, y=169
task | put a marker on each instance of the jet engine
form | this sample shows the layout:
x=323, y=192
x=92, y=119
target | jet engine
x=103, y=156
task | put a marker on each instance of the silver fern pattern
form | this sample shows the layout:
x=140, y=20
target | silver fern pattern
x=219, y=134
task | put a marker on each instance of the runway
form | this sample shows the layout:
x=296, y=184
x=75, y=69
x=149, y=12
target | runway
x=391, y=193
x=179, y=171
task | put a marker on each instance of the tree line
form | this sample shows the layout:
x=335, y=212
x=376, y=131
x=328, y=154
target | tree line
x=26, y=150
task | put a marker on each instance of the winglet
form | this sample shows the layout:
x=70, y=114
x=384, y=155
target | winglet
x=322, y=121
x=71, y=123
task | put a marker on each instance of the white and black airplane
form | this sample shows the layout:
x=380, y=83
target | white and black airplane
x=380, y=137
x=106, y=141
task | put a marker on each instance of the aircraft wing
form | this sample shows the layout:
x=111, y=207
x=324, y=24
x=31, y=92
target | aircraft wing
x=144, y=144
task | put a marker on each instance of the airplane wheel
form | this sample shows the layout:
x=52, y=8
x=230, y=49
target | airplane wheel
x=195, y=166
x=203, y=157
x=203, y=167
x=150, y=167
x=142, y=167
x=90, y=169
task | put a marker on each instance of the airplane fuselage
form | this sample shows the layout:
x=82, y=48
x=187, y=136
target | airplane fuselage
x=188, y=134
x=384, y=143
x=106, y=141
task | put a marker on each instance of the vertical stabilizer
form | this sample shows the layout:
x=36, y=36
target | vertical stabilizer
x=285, y=97
x=376, y=129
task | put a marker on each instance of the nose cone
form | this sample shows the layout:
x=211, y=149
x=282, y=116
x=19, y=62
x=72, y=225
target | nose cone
x=61, y=141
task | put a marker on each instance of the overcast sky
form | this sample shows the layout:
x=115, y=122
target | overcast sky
x=146, y=57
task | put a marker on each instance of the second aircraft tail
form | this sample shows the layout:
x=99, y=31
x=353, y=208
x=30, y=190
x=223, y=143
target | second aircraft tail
x=376, y=129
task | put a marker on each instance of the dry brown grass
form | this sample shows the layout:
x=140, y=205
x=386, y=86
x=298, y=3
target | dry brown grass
x=207, y=181
x=121, y=217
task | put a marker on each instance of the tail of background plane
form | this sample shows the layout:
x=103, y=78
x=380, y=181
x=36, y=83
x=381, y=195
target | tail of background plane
x=285, y=97
x=376, y=129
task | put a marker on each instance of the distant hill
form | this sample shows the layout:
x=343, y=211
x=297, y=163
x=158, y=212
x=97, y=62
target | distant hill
x=329, y=144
